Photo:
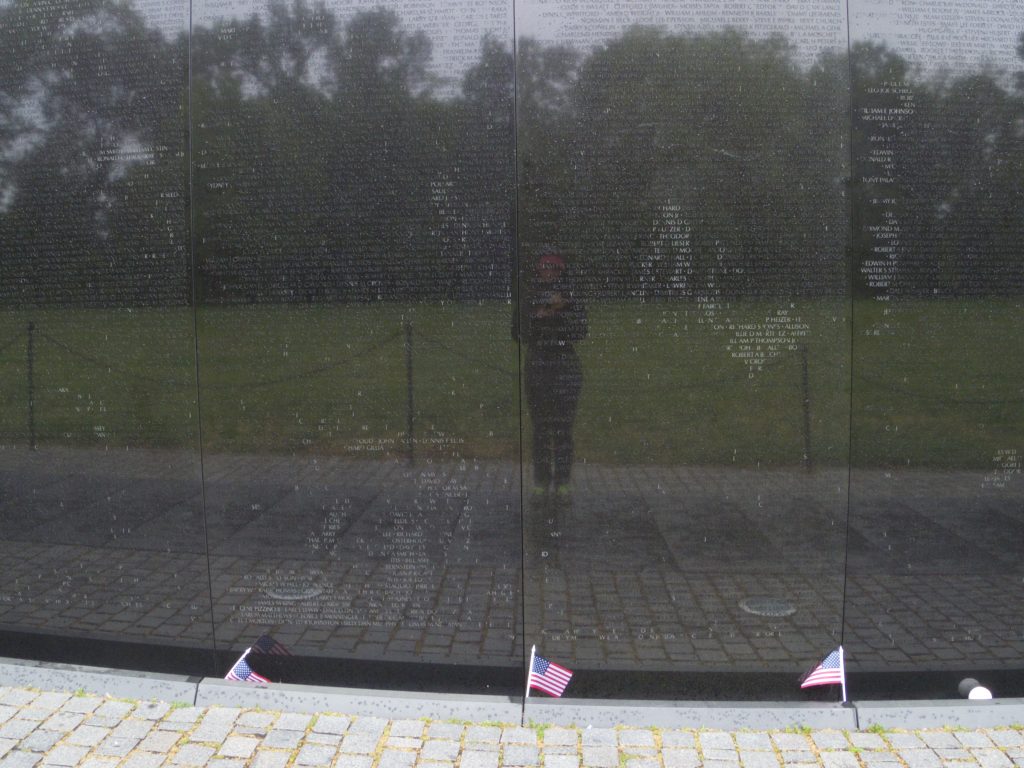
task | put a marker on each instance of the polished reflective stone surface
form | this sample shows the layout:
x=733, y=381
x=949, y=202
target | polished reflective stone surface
x=101, y=514
x=679, y=341
x=935, y=512
x=711, y=429
x=354, y=209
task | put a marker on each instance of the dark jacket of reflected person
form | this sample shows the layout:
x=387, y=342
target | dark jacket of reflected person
x=551, y=319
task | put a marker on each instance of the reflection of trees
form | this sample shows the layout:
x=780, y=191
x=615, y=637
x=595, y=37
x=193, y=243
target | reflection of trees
x=91, y=170
x=655, y=122
x=330, y=141
x=954, y=148
x=326, y=166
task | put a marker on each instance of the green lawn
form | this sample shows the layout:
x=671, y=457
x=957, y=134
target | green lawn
x=936, y=383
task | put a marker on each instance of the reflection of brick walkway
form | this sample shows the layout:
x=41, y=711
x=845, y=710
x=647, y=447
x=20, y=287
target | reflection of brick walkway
x=377, y=560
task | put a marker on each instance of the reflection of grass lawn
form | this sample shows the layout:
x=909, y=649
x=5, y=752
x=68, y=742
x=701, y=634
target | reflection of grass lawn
x=936, y=385
x=939, y=383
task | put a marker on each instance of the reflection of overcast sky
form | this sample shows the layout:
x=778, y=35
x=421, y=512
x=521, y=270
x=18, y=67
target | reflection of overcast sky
x=943, y=34
x=811, y=25
x=935, y=34
x=455, y=27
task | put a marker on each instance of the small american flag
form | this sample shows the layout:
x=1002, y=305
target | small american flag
x=548, y=677
x=267, y=644
x=242, y=671
x=829, y=672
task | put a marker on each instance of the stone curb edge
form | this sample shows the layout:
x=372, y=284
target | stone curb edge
x=493, y=708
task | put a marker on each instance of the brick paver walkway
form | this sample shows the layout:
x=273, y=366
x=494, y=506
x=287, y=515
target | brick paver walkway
x=45, y=728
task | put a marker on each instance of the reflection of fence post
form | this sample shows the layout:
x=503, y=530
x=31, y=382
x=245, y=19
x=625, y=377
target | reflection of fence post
x=31, y=386
x=409, y=441
x=805, y=386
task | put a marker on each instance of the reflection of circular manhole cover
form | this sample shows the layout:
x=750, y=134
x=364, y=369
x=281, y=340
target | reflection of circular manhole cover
x=293, y=589
x=767, y=606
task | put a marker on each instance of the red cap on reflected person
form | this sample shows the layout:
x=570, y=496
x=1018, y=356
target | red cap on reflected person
x=551, y=259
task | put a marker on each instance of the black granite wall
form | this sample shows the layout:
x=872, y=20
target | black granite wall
x=678, y=339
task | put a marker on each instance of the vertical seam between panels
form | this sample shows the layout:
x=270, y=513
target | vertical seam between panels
x=516, y=320
x=195, y=340
x=851, y=287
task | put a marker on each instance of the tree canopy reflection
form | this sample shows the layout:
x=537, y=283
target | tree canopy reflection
x=329, y=163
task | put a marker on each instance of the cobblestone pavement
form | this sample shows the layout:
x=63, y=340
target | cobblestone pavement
x=44, y=728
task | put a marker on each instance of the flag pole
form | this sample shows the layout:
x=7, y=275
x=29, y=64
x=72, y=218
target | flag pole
x=529, y=670
x=842, y=672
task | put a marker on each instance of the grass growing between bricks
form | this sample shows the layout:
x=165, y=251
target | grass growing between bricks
x=64, y=730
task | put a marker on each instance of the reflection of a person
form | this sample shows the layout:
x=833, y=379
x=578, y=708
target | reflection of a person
x=551, y=320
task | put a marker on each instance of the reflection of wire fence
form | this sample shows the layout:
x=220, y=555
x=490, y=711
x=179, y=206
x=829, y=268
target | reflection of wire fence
x=788, y=369
x=299, y=376
x=126, y=372
x=934, y=398
x=776, y=361
x=111, y=366
x=704, y=384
